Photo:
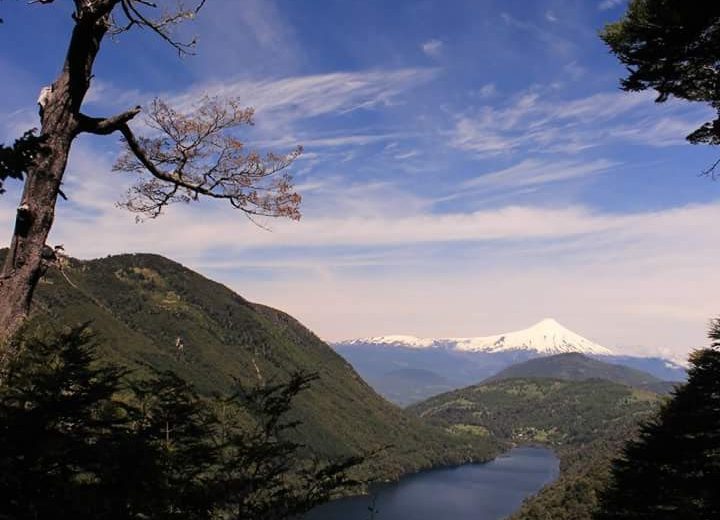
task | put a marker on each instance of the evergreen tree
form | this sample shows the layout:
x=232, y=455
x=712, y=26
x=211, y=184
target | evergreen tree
x=672, y=47
x=79, y=442
x=262, y=474
x=672, y=471
x=170, y=429
x=59, y=425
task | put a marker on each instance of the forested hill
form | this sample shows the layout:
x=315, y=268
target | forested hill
x=140, y=304
x=579, y=367
x=585, y=422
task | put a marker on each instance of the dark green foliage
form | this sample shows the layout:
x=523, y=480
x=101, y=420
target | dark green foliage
x=672, y=47
x=139, y=305
x=257, y=460
x=14, y=160
x=672, y=471
x=585, y=422
x=76, y=441
x=58, y=423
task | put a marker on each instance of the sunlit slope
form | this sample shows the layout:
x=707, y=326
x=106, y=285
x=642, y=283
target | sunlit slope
x=140, y=304
x=585, y=422
x=574, y=366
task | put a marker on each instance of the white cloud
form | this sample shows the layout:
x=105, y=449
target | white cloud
x=368, y=258
x=537, y=121
x=331, y=141
x=622, y=279
x=361, y=218
x=280, y=102
x=550, y=16
x=486, y=91
x=532, y=172
x=609, y=4
x=432, y=48
x=407, y=155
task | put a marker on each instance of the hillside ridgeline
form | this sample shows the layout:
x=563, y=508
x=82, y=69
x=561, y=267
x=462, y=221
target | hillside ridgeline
x=140, y=304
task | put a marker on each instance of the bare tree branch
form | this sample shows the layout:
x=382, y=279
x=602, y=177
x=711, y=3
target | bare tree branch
x=137, y=13
x=711, y=171
x=133, y=12
x=106, y=126
x=196, y=155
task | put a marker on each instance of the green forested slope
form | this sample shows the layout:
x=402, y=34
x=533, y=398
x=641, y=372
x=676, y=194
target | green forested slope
x=585, y=422
x=140, y=304
x=575, y=366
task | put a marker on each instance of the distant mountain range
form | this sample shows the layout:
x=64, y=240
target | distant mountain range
x=460, y=362
x=547, y=337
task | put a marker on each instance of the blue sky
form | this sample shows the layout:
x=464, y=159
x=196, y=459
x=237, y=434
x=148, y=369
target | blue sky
x=470, y=167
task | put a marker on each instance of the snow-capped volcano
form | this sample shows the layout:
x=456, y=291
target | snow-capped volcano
x=546, y=337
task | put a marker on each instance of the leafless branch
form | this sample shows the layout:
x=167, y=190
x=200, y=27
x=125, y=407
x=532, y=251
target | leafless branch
x=196, y=155
x=106, y=126
x=139, y=13
x=711, y=171
x=134, y=13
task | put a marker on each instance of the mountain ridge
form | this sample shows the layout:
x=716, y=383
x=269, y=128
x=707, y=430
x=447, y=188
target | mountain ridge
x=467, y=361
x=546, y=337
x=574, y=366
x=139, y=304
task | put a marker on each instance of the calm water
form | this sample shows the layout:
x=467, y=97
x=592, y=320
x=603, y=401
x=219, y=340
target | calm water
x=488, y=491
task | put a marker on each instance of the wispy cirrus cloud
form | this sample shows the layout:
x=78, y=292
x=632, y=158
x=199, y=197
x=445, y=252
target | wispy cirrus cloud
x=313, y=95
x=550, y=39
x=280, y=102
x=537, y=121
x=250, y=36
x=532, y=172
x=575, y=262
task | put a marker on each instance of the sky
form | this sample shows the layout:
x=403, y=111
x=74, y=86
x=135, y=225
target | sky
x=470, y=167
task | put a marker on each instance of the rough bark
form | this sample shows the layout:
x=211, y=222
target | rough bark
x=61, y=123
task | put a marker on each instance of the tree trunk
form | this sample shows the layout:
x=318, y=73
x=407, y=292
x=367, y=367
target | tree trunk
x=60, y=117
x=23, y=264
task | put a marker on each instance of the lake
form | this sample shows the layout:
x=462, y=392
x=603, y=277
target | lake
x=489, y=491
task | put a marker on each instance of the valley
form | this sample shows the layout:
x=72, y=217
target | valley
x=138, y=305
x=585, y=421
x=580, y=407
x=370, y=260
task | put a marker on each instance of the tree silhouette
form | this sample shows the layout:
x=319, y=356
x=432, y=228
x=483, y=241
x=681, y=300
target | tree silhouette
x=672, y=471
x=77, y=439
x=672, y=47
